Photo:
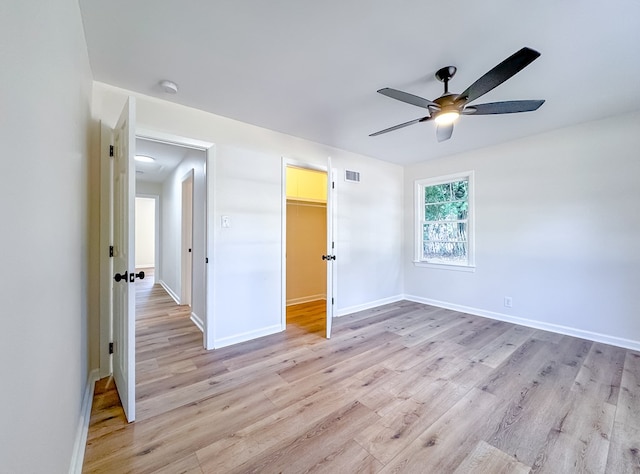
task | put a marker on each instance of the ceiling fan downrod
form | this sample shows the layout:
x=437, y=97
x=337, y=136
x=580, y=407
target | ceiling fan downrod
x=444, y=75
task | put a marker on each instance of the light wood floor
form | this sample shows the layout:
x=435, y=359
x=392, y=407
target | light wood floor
x=400, y=388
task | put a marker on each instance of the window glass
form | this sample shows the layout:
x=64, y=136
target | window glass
x=444, y=220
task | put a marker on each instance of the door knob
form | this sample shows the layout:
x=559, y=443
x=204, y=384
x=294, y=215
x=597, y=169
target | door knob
x=140, y=275
x=121, y=276
x=328, y=257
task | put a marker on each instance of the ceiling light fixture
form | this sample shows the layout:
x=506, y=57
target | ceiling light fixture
x=169, y=87
x=447, y=117
x=145, y=159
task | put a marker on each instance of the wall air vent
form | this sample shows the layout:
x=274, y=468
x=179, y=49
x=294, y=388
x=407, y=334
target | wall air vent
x=353, y=176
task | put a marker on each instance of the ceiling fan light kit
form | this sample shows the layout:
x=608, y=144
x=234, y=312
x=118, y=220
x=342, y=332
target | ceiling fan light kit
x=447, y=117
x=446, y=109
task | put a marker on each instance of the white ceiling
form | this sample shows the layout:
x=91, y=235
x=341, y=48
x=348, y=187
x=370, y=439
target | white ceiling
x=166, y=156
x=312, y=68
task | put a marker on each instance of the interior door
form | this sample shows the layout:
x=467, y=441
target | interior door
x=330, y=256
x=187, y=239
x=124, y=259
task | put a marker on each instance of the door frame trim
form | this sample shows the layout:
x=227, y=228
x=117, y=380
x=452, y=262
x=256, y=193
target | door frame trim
x=209, y=334
x=283, y=266
x=106, y=239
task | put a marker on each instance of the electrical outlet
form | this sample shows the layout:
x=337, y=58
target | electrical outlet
x=508, y=302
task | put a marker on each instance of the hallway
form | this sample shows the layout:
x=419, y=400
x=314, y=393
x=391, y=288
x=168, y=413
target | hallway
x=166, y=342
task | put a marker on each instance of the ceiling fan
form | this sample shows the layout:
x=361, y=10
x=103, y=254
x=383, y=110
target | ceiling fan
x=446, y=109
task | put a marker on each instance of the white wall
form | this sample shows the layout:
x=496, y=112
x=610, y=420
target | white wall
x=247, y=183
x=171, y=225
x=150, y=189
x=44, y=203
x=306, y=242
x=369, y=267
x=557, y=229
x=145, y=232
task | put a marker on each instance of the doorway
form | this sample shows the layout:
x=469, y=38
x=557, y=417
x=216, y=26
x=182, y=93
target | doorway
x=177, y=175
x=118, y=183
x=171, y=300
x=146, y=233
x=307, y=301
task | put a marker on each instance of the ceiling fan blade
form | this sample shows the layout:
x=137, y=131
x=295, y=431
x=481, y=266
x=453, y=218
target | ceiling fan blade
x=507, y=107
x=408, y=98
x=444, y=132
x=402, y=125
x=503, y=71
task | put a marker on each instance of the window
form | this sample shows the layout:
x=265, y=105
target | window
x=444, y=221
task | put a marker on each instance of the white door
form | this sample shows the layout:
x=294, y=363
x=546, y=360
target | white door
x=124, y=259
x=187, y=239
x=330, y=256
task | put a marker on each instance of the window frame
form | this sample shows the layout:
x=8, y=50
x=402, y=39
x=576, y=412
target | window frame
x=419, y=220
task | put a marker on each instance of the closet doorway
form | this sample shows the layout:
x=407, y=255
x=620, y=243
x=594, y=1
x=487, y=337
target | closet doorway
x=306, y=244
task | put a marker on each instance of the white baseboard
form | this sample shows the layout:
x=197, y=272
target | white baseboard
x=105, y=371
x=197, y=321
x=77, y=457
x=557, y=328
x=306, y=299
x=365, y=306
x=169, y=291
x=247, y=336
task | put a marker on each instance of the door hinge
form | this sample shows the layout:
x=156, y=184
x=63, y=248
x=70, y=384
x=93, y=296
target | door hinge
x=111, y=348
x=206, y=260
x=110, y=150
x=332, y=302
x=333, y=245
x=110, y=250
x=333, y=185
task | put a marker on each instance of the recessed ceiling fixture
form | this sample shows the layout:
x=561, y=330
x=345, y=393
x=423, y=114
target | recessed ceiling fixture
x=145, y=159
x=446, y=109
x=169, y=87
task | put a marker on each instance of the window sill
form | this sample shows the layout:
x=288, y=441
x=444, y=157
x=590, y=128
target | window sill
x=444, y=266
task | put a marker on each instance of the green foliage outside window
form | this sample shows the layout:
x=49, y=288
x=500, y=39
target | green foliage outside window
x=445, y=225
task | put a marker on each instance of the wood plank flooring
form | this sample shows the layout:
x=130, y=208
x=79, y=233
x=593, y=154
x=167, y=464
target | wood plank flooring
x=400, y=388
